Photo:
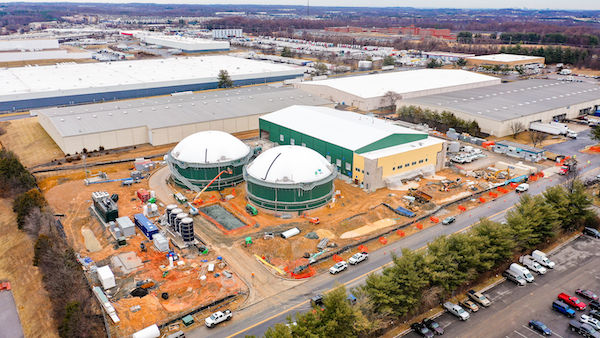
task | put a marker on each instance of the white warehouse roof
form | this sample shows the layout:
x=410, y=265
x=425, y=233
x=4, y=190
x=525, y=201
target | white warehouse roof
x=186, y=43
x=30, y=83
x=504, y=57
x=349, y=130
x=210, y=147
x=376, y=85
x=289, y=165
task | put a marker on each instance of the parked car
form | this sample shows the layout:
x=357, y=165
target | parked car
x=593, y=322
x=540, y=327
x=469, y=305
x=422, y=330
x=595, y=314
x=523, y=187
x=514, y=277
x=572, y=301
x=448, y=220
x=586, y=294
x=479, y=298
x=433, y=326
x=583, y=329
x=338, y=267
x=359, y=257
x=591, y=232
x=563, y=308
x=595, y=305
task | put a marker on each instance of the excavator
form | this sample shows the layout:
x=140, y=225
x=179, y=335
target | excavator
x=499, y=175
x=197, y=200
x=568, y=165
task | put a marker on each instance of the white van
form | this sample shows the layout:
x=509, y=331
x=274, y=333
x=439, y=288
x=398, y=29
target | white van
x=526, y=274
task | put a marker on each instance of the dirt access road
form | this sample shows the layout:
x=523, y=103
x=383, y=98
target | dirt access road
x=262, y=283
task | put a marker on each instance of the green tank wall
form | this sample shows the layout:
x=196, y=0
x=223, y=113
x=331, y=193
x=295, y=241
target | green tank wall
x=202, y=176
x=294, y=199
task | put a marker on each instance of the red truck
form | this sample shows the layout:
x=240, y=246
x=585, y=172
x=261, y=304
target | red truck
x=573, y=301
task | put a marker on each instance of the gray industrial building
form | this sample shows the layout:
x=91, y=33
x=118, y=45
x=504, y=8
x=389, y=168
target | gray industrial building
x=167, y=119
x=495, y=108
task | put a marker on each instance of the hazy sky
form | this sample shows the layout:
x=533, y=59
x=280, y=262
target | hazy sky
x=532, y=4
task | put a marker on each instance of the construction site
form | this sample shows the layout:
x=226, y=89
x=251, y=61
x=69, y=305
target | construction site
x=169, y=234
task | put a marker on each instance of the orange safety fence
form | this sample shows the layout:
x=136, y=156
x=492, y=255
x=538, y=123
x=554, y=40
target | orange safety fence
x=488, y=143
x=533, y=178
x=514, y=185
x=481, y=199
x=337, y=258
x=502, y=190
x=400, y=233
x=493, y=194
x=595, y=149
x=362, y=248
x=462, y=208
x=383, y=240
x=419, y=226
x=308, y=272
x=434, y=219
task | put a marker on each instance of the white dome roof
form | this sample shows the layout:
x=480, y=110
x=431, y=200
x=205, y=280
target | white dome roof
x=210, y=147
x=289, y=165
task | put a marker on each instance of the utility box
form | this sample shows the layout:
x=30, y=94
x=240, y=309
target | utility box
x=188, y=320
x=106, y=276
x=161, y=243
x=126, y=226
x=143, y=195
x=105, y=206
x=144, y=224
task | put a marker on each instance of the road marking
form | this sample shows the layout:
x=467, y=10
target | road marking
x=556, y=334
x=530, y=329
x=520, y=334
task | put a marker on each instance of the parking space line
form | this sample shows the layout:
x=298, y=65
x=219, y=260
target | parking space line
x=528, y=328
x=520, y=334
x=556, y=334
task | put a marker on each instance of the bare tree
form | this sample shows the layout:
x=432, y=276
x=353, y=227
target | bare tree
x=537, y=137
x=389, y=99
x=516, y=127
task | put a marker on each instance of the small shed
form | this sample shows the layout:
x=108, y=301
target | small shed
x=126, y=226
x=106, y=276
x=188, y=320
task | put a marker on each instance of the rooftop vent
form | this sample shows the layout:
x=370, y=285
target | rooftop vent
x=79, y=117
x=94, y=116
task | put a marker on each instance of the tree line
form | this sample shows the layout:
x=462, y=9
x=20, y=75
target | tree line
x=419, y=280
x=440, y=121
x=74, y=309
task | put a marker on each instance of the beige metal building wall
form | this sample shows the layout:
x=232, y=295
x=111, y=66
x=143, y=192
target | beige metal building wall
x=473, y=62
x=502, y=128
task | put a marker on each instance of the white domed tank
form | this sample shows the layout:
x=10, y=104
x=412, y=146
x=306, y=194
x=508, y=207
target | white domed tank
x=289, y=178
x=201, y=157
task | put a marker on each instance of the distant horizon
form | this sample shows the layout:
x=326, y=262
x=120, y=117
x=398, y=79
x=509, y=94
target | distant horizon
x=575, y=5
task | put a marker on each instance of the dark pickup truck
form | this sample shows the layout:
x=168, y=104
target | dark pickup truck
x=583, y=329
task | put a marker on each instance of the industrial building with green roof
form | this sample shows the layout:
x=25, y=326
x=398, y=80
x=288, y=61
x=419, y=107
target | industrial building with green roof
x=365, y=150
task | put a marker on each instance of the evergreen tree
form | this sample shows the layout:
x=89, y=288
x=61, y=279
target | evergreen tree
x=224, y=79
x=286, y=52
x=495, y=242
x=389, y=61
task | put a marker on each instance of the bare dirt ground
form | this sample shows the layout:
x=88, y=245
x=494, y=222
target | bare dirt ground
x=16, y=252
x=524, y=138
x=68, y=195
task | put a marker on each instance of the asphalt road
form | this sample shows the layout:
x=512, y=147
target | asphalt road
x=9, y=117
x=257, y=318
x=512, y=307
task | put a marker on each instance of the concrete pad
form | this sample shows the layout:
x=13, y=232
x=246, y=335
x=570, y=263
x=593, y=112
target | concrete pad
x=91, y=243
x=9, y=317
x=130, y=261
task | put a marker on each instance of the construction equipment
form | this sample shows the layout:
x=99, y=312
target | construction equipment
x=569, y=165
x=228, y=171
x=251, y=209
x=499, y=175
x=419, y=195
x=315, y=220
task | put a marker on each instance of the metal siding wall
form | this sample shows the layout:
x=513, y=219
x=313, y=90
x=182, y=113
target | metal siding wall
x=203, y=126
x=125, y=137
x=229, y=126
x=175, y=134
x=140, y=135
x=188, y=129
x=126, y=94
x=216, y=125
x=241, y=124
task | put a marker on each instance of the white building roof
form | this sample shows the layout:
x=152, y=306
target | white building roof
x=376, y=85
x=402, y=148
x=186, y=43
x=35, y=82
x=289, y=165
x=504, y=57
x=210, y=147
x=346, y=129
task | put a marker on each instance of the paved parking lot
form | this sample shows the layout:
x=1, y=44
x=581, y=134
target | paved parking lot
x=578, y=266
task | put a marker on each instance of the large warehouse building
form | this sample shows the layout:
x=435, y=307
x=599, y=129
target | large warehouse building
x=167, y=119
x=68, y=84
x=508, y=60
x=186, y=44
x=363, y=149
x=367, y=92
x=495, y=108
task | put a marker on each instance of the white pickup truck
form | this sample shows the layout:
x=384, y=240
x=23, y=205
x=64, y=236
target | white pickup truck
x=530, y=263
x=217, y=318
x=456, y=310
